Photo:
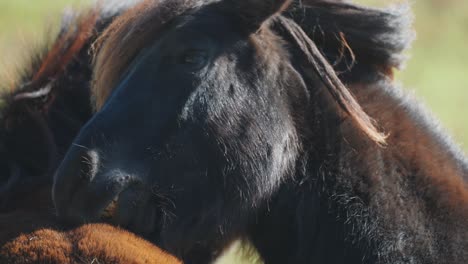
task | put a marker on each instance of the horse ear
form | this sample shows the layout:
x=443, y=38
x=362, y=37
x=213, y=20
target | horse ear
x=254, y=13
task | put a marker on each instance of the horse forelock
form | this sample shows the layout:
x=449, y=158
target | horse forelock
x=124, y=39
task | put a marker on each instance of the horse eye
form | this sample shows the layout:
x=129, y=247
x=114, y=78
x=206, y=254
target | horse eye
x=195, y=58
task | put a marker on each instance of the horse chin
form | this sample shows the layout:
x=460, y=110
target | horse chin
x=187, y=242
x=133, y=210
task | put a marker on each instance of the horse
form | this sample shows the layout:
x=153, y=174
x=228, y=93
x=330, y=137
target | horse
x=40, y=115
x=274, y=121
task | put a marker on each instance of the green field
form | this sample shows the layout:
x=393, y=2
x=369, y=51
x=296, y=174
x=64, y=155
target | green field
x=437, y=71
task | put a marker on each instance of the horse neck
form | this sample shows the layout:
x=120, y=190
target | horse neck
x=300, y=227
x=410, y=127
x=299, y=224
x=416, y=186
x=416, y=143
x=352, y=201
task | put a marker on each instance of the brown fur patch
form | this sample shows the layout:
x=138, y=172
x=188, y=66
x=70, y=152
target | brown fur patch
x=31, y=234
x=94, y=243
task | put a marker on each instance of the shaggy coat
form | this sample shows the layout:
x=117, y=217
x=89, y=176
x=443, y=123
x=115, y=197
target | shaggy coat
x=31, y=235
x=274, y=121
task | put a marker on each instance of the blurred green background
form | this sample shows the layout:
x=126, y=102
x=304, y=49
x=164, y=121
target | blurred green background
x=437, y=71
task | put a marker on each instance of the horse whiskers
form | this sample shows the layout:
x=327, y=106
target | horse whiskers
x=80, y=146
x=162, y=200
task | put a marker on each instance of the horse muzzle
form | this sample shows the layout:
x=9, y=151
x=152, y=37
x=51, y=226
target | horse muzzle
x=84, y=191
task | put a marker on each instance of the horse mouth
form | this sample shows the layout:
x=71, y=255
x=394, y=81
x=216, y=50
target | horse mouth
x=118, y=194
x=132, y=209
x=108, y=215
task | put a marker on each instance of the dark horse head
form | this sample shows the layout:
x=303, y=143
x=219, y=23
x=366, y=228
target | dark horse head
x=203, y=112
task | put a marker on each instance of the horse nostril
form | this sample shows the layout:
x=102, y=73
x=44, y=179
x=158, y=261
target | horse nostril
x=78, y=168
x=90, y=165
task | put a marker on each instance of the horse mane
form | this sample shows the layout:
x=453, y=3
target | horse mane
x=326, y=73
x=357, y=40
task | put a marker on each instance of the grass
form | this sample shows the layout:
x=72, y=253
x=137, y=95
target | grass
x=437, y=71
